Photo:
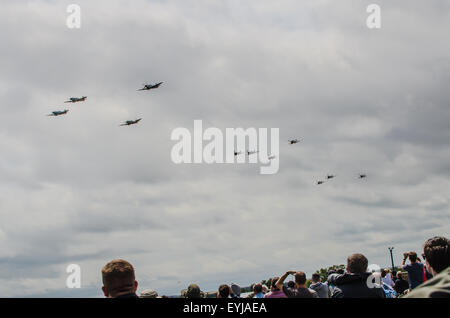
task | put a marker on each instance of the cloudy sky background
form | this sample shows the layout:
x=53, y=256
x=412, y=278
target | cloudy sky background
x=79, y=189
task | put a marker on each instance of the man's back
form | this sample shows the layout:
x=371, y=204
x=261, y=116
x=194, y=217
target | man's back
x=401, y=285
x=353, y=286
x=299, y=292
x=321, y=289
x=415, y=274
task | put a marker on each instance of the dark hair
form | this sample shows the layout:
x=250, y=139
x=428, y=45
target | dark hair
x=300, y=278
x=193, y=291
x=224, y=291
x=274, y=282
x=257, y=288
x=383, y=273
x=357, y=263
x=437, y=253
x=315, y=277
x=412, y=256
x=291, y=284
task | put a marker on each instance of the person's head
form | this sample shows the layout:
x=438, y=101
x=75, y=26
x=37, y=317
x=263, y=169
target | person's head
x=400, y=275
x=383, y=273
x=224, y=291
x=264, y=289
x=257, y=288
x=274, y=282
x=148, y=293
x=300, y=279
x=437, y=254
x=357, y=264
x=193, y=291
x=412, y=257
x=315, y=278
x=118, y=279
x=236, y=289
x=291, y=284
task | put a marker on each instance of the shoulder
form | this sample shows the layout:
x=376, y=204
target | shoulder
x=288, y=291
x=313, y=293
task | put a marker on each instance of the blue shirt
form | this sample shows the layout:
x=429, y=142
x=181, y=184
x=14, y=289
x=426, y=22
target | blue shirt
x=389, y=291
x=415, y=274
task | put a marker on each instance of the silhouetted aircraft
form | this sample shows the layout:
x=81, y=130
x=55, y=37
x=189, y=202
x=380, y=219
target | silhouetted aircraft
x=330, y=176
x=237, y=153
x=252, y=152
x=131, y=122
x=271, y=157
x=294, y=141
x=320, y=182
x=148, y=87
x=59, y=112
x=362, y=176
x=76, y=99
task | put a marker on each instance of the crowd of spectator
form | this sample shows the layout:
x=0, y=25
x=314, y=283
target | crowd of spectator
x=422, y=278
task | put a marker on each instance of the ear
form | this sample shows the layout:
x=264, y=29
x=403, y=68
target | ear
x=430, y=269
x=105, y=292
x=135, y=285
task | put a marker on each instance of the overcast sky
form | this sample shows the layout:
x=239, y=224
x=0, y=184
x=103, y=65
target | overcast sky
x=79, y=189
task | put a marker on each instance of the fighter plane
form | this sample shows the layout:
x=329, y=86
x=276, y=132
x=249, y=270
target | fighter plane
x=252, y=152
x=271, y=157
x=59, y=113
x=131, y=122
x=294, y=141
x=330, y=176
x=362, y=176
x=148, y=87
x=76, y=99
x=237, y=153
x=320, y=182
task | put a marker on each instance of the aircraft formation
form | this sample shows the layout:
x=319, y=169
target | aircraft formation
x=331, y=176
x=74, y=100
x=147, y=87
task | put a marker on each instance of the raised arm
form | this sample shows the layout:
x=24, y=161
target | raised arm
x=280, y=281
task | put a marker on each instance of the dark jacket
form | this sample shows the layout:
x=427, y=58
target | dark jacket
x=353, y=286
x=401, y=285
x=132, y=295
x=320, y=289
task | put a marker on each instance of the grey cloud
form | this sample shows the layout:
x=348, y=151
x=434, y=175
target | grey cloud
x=81, y=189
